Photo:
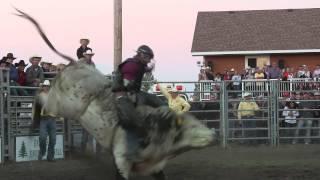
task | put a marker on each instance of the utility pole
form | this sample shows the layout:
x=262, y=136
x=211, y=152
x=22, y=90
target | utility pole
x=117, y=33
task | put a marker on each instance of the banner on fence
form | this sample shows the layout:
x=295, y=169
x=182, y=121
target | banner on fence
x=27, y=148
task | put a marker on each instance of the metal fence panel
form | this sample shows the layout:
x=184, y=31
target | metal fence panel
x=305, y=125
x=215, y=103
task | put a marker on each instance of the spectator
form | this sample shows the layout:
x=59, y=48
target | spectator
x=231, y=72
x=303, y=72
x=274, y=72
x=175, y=102
x=316, y=72
x=306, y=115
x=247, y=115
x=34, y=72
x=53, y=68
x=249, y=73
x=60, y=67
x=236, y=84
x=3, y=63
x=259, y=74
x=22, y=78
x=290, y=116
x=202, y=75
x=46, y=69
x=209, y=73
x=88, y=58
x=47, y=124
x=218, y=77
x=13, y=73
x=285, y=74
x=226, y=75
x=83, y=48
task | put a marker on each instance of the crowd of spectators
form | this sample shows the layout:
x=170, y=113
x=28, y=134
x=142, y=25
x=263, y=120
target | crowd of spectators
x=30, y=75
x=301, y=74
x=267, y=72
x=37, y=70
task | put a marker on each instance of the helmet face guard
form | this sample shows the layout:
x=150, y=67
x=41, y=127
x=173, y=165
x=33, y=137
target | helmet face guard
x=146, y=50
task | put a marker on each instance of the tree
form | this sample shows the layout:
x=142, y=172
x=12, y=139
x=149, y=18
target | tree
x=23, y=150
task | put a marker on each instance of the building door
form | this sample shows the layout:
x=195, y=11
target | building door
x=256, y=61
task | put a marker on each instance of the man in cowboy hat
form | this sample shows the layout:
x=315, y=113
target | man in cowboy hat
x=34, y=72
x=22, y=77
x=87, y=58
x=83, y=48
x=46, y=123
x=3, y=63
x=246, y=114
x=13, y=73
x=175, y=102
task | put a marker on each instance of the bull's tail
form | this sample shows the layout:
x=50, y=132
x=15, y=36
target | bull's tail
x=43, y=35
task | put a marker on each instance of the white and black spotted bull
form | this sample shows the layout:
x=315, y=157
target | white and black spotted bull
x=81, y=92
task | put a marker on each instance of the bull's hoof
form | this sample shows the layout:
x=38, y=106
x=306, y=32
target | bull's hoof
x=159, y=176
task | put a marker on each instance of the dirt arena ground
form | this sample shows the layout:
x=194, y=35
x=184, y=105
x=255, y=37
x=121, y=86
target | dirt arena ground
x=258, y=163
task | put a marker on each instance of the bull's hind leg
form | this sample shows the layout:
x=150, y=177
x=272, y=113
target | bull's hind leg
x=159, y=176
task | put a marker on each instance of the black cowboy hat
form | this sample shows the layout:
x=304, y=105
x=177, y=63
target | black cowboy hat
x=3, y=60
x=21, y=63
x=10, y=55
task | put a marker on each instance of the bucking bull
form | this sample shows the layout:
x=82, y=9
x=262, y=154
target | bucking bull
x=81, y=92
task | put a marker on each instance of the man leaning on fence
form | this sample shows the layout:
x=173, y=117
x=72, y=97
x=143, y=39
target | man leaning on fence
x=305, y=120
x=247, y=114
x=46, y=122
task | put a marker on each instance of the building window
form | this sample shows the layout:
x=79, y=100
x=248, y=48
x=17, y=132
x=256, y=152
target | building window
x=252, y=62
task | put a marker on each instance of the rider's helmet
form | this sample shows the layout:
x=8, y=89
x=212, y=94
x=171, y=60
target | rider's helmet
x=144, y=49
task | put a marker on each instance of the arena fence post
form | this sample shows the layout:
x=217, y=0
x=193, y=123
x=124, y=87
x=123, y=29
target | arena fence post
x=223, y=114
x=1, y=117
x=274, y=111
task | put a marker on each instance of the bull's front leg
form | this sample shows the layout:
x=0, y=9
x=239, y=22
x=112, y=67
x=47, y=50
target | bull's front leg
x=159, y=175
x=120, y=149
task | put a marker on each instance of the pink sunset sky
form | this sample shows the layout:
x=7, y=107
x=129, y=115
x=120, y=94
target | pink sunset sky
x=165, y=25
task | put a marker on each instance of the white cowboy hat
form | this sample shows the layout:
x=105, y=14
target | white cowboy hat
x=88, y=52
x=35, y=57
x=46, y=83
x=246, y=94
x=172, y=90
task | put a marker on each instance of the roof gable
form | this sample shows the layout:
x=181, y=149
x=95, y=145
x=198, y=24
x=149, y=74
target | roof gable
x=260, y=30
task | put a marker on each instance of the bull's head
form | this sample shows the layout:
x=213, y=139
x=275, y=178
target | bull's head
x=192, y=133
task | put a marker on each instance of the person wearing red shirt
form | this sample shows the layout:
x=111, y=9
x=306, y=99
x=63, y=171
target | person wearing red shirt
x=22, y=78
